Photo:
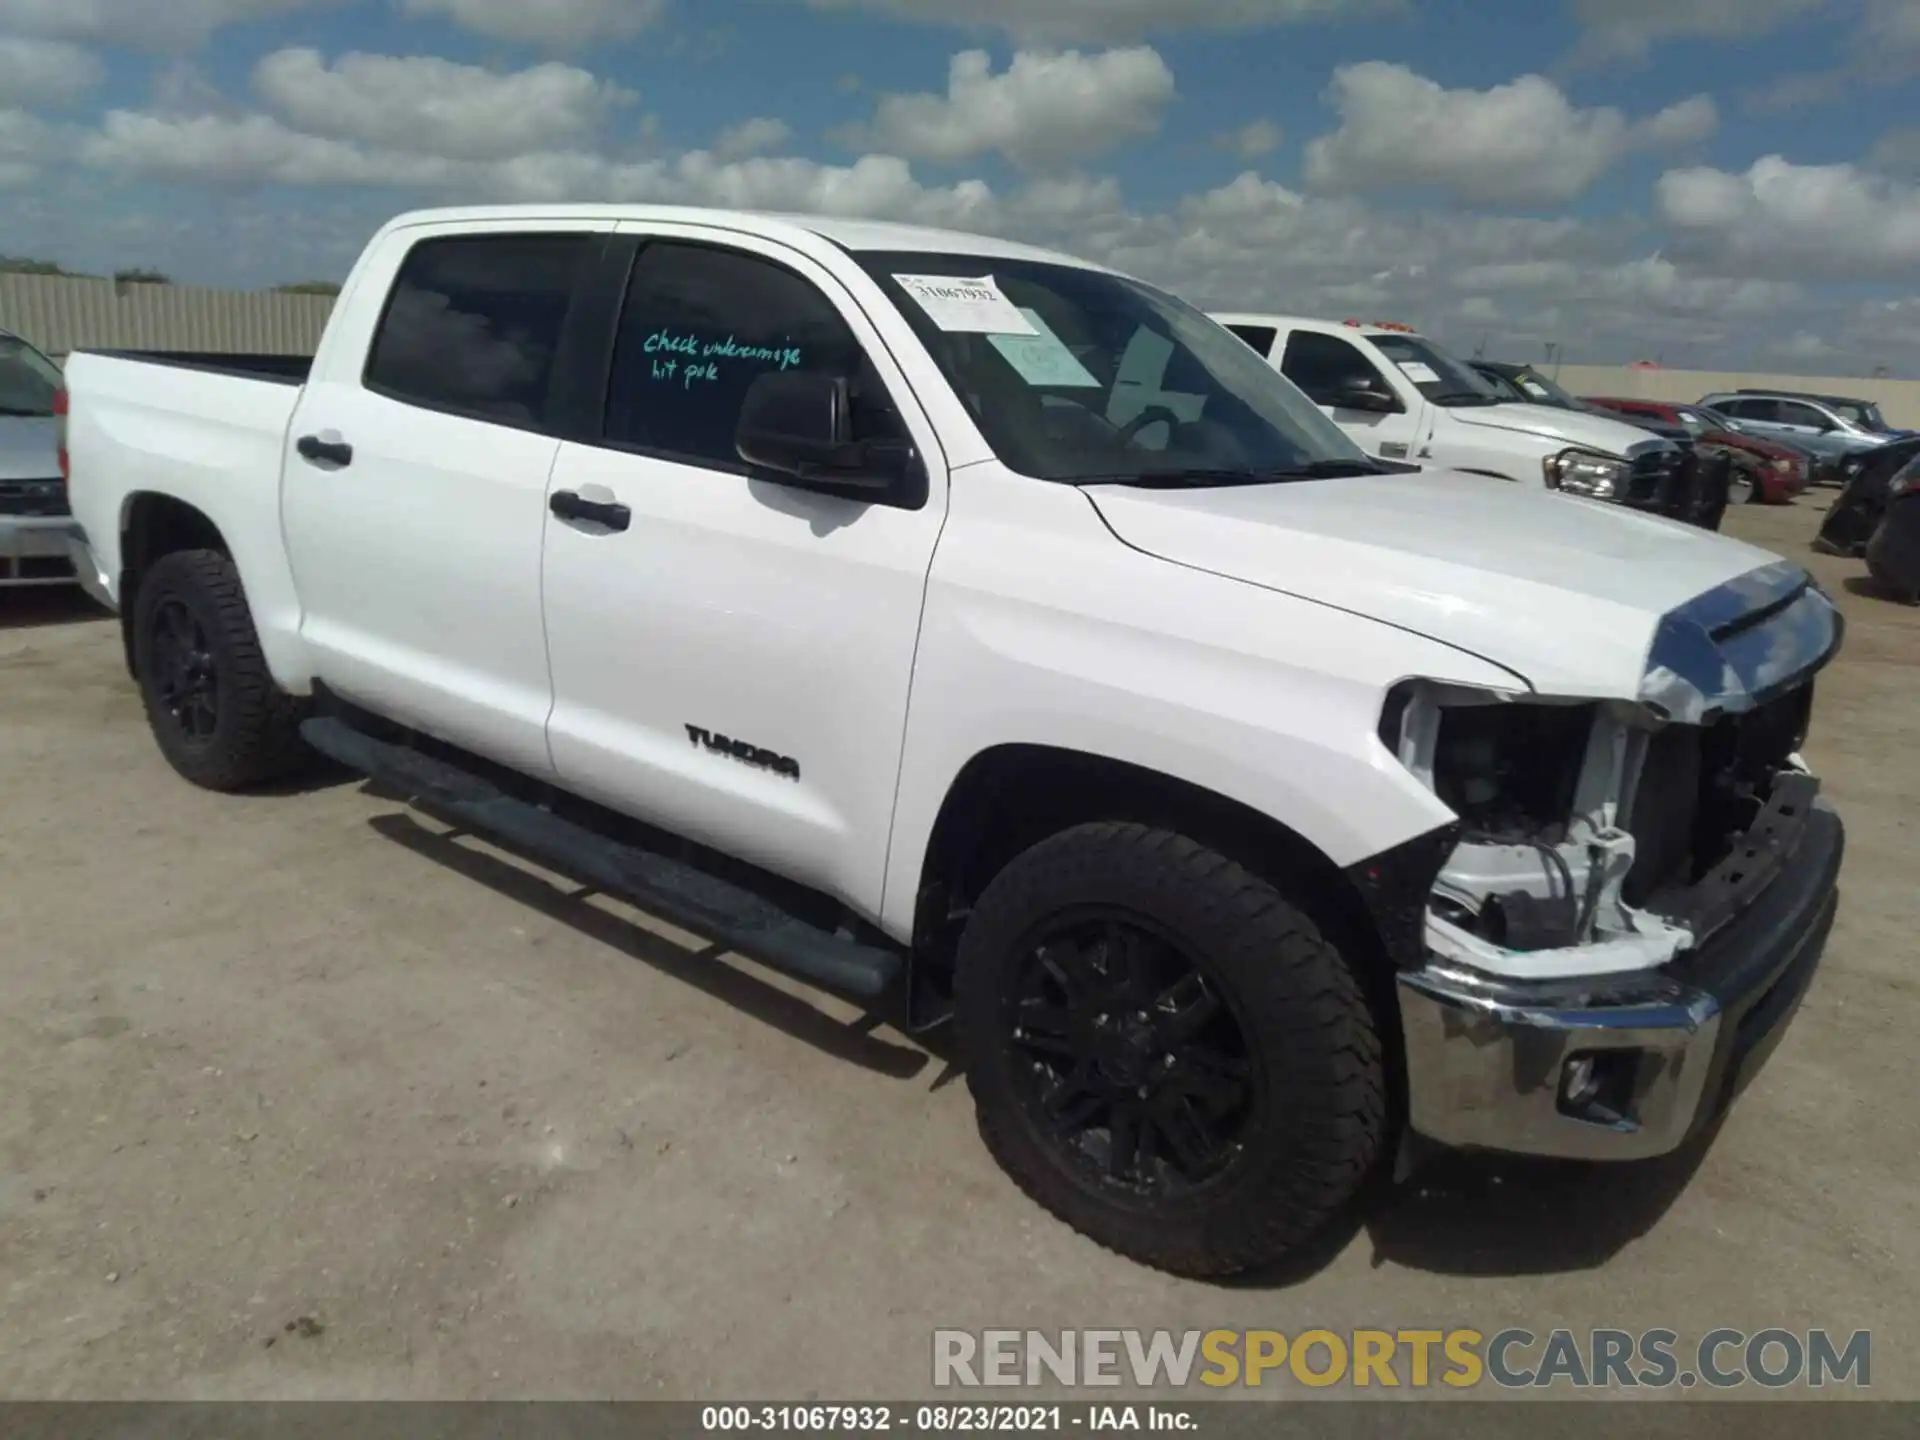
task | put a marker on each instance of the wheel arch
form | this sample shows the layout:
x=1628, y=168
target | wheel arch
x=1011, y=796
x=153, y=525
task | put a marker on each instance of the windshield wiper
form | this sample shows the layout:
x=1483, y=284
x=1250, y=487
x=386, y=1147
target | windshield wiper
x=12, y=411
x=1200, y=477
x=1327, y=470
x=1454, y=399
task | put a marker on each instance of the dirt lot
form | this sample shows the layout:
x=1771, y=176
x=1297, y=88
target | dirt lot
x=299, y=1099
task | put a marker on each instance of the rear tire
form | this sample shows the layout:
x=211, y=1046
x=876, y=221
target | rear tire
x=1205, y=1148
x=212, y=704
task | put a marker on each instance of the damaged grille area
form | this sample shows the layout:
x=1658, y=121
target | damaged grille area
x=1681, y=484
x=1712, y=806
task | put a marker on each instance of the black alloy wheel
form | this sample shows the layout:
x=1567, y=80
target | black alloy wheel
x=1135, y=1065
x=186, y=676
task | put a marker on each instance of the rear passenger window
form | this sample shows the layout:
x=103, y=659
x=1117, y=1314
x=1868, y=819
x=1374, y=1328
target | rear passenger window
x=1260, y=337
x=700, y=325
x=473, y=324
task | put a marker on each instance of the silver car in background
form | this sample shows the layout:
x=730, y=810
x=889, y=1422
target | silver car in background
x=1826, y=430
x=34, y=522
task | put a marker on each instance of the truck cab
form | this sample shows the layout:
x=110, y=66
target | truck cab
x=1401, y=396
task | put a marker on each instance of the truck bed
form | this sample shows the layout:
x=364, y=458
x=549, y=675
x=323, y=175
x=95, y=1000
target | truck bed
x=280, y=369
x=208, y=431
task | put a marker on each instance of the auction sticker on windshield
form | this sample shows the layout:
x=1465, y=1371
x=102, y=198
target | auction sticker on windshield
x=1042, y=358
x=966, y=306
x=1419, y=372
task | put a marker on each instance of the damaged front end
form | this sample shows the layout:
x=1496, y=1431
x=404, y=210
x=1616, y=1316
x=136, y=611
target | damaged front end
x=1630, y=880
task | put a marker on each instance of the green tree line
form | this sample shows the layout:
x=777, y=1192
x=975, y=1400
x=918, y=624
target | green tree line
x=139, y=275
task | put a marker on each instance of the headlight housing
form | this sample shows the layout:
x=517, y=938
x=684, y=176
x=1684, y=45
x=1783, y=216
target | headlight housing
x=1584, y=472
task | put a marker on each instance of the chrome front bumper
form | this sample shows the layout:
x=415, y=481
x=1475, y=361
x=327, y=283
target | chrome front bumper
x=1498, y=1065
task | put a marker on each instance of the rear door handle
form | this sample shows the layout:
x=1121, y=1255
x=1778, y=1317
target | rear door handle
x=571, y=505
x=313, y=448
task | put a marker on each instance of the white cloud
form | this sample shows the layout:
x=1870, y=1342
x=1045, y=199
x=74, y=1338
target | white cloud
x=549, y=24
x=45, y=72
x=159, y=25
x=751, y=137
x=1252, y=140
x=1836, y=221
x=22, y=148
x=1686, y=123
x=1044, y=110
x=431, y=106
x=1514, y=143
x=1112, y=21
x=1628, y=29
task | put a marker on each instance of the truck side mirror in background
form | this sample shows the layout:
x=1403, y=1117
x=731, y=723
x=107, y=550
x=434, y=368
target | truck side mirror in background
x=799, y=425
x=1361, y=394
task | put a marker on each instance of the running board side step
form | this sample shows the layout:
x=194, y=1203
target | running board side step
x=681, y=894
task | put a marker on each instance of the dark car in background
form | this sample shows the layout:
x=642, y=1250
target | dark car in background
x=1710, y=479
x=1851, y=523
x=1773, y=469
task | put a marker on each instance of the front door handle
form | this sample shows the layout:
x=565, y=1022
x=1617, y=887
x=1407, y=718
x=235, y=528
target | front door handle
x=313, y=448
x=571, y=505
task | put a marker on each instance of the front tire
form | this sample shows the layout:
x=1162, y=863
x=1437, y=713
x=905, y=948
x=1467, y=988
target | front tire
x=1742, y=489
x=1164, y=1052
x=212, y=704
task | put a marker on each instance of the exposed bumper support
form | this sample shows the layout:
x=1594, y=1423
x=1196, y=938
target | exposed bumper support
x=1619, y=1068
x=33, y=550
x=86, y=567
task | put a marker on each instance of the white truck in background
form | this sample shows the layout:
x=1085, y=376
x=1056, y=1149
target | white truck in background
x=1401, y=396
x=992, y=637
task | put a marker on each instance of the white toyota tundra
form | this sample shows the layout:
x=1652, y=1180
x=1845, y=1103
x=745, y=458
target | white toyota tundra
x=990, y=636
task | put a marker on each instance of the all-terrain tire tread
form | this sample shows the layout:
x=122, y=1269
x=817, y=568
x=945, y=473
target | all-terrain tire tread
x=1300, y=993
x=263, y=742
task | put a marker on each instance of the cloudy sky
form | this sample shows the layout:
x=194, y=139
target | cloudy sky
x=1701, y=181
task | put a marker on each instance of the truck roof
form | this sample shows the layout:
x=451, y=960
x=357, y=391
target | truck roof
x=1303, y=322
x=846, y=232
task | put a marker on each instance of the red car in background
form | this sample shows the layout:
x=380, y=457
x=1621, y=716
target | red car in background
x=1778, y=472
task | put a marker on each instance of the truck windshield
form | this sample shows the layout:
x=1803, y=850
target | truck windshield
x=28, y=379
x=1543, y=391
x=1439, y=376
x=1081, y=376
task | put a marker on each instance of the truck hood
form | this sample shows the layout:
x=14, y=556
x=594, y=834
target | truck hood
x=1565, y=593
x=29, y=448
x=1546, y=422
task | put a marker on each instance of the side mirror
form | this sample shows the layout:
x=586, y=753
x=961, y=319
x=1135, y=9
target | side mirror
x=798, y=424
x=1361, y=395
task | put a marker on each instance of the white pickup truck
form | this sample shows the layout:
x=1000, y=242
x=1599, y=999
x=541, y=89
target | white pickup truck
x=1399, y=395
x=994, y=637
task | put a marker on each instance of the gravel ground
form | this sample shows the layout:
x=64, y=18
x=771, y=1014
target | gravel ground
x=299, y=1098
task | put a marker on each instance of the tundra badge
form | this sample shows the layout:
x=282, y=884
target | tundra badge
x=746, y=753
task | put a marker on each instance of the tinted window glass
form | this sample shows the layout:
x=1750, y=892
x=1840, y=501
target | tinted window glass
x=700, y=325
x=1324, y=365
x=474, y=322
x=1097, y=377
x=1260, y=337
x=27, y=379
x=1436, y=373
x=1792, y=413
